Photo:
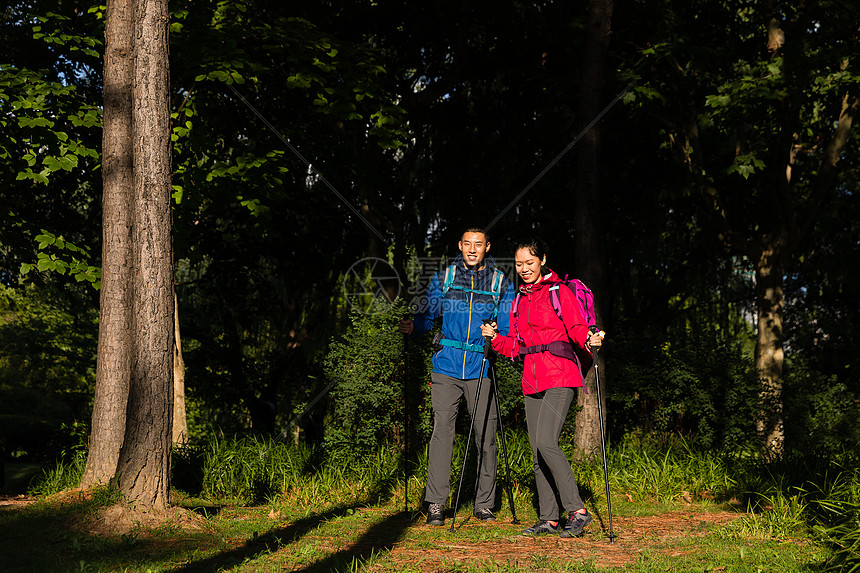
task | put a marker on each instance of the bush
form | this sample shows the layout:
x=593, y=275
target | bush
x=689, y=387
x=368, y=366
x=47, y=367
x=822, y=410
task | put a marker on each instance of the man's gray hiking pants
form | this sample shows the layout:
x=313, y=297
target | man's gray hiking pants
x=446, y=392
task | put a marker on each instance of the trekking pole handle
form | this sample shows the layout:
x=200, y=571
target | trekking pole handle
x=487, y=339
x=594, y=330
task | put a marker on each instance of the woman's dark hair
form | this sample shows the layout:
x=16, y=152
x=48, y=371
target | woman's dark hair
x=536, y=247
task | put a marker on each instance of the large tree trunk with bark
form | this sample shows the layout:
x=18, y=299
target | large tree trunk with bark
x=588, y=248
x=132, y=417
x=115, y=331
x=144, y=467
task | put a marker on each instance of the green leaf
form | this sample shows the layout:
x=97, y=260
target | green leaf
x=45, y=239
x=44, y=264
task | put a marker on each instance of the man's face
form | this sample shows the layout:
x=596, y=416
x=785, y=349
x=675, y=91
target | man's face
x=474, y=247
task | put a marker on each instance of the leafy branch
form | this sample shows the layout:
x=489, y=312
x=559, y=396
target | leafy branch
x=70, y=260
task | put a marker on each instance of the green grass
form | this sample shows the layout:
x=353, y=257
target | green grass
x=269, y=507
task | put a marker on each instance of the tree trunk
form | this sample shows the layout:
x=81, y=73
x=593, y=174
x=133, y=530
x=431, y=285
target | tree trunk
x=114, y=357
x=769, y=345
x=588, y=248
x=144, y=467
x=180, y=422
x=132, y=413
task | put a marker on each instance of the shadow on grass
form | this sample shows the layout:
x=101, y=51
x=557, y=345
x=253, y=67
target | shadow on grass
x=378, y=538
x=42, y=538
x=37, y=538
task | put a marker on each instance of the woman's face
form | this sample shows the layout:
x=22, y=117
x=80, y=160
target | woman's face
x=528, y=266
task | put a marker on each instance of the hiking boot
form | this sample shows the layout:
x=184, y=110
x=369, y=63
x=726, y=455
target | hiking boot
x=436, y=514
x=541, y=528
x=576, y=522
x=485, y=515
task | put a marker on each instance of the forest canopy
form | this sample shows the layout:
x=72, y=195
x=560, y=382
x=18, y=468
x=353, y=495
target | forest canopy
x=327, y=156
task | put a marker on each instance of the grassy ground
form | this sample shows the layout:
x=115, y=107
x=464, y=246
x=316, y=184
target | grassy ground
x=262, y=506
x=77, y=533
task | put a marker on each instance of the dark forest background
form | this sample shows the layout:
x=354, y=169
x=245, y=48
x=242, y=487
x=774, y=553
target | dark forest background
x=718, y=191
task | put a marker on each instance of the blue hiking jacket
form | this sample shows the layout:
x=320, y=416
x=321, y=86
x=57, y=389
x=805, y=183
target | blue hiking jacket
x=462, y=314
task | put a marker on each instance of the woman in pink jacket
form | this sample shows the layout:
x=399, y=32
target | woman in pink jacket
x=548, y=383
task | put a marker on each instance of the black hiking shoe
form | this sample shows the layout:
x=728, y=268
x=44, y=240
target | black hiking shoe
x=436, y=514
x=485, y=515
x=576, y=522
x=541, y=528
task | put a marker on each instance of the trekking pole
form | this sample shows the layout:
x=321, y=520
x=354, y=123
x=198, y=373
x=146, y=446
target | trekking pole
x=471, y=426
x=504, y=448
x=603, y=440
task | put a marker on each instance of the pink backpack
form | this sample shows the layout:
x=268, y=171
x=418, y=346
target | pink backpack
x=584, y=297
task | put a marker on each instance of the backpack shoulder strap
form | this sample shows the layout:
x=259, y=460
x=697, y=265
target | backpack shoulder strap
x=450, y=273
x=515, y=312
x=555, y=300
x=498, y=276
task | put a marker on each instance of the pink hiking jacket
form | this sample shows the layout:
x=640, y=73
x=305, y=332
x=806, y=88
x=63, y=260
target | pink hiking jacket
x=537, y=323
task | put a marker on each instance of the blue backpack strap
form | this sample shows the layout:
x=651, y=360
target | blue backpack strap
x=474, y=290
x=450, y=272
x=447, y=283
x=498, y=276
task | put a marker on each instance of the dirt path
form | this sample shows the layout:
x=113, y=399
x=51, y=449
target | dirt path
x=16, y=500
x=634, y=534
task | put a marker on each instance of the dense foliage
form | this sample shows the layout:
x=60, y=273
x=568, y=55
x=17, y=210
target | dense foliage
x=309, y=138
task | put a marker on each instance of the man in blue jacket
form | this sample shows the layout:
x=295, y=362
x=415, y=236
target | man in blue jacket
x=465, y=293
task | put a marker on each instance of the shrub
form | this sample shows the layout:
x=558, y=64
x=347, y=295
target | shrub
x=368, y=366
x=689, y=387
x=822, y=409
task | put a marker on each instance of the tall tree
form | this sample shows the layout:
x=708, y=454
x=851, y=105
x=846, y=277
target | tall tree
x=589, y=251
x=135, y=388
x=115, y=321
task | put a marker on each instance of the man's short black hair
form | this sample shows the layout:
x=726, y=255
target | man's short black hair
x=481, y=230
